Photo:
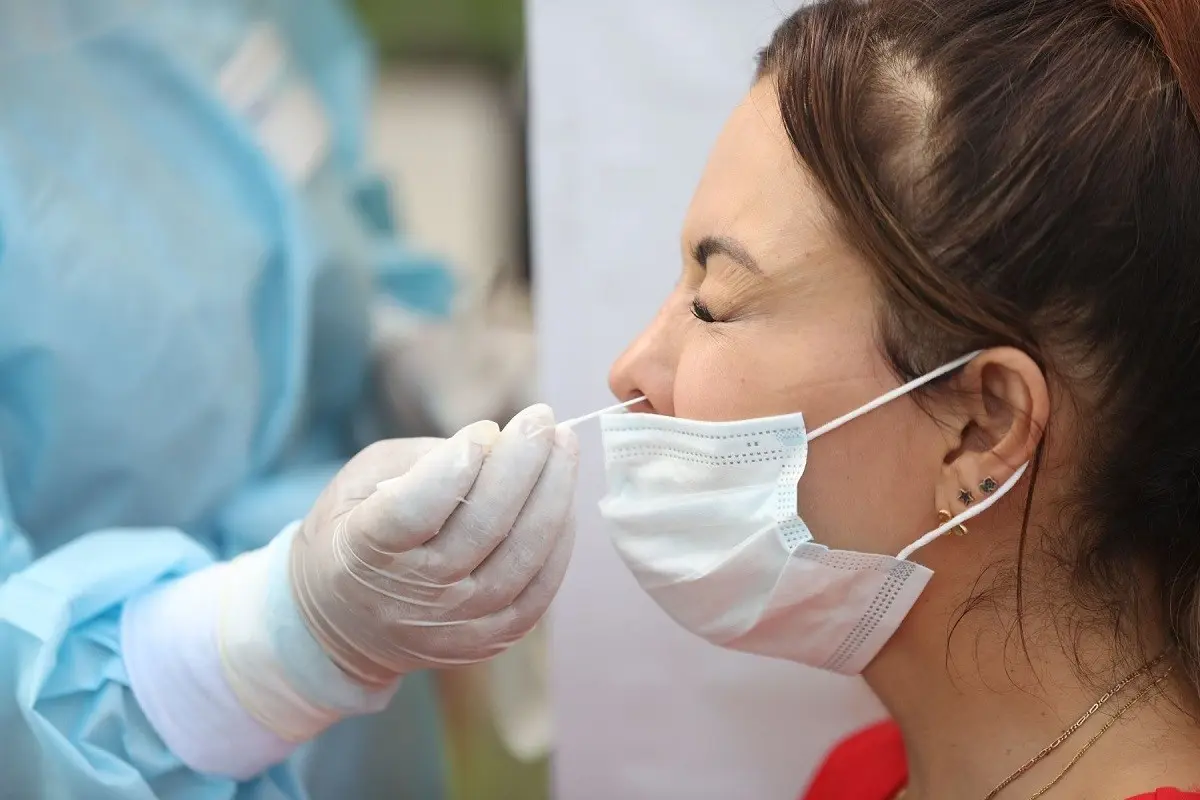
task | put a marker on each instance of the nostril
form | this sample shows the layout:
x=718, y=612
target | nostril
x=641, y=405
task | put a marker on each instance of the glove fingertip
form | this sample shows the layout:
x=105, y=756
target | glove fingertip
x=458, y=458
x=483, y=433
x=535, y=421
x=566, y=439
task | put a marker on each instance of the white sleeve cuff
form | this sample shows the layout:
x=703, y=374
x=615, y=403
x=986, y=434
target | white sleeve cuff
x=169, y=642
x=273, y=663
x=226, y=671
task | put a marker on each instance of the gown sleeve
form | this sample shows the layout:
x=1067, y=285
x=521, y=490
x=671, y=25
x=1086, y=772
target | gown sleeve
x=72, y=724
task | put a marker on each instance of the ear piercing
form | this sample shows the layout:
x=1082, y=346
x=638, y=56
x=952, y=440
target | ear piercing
x=945, y=516
x=966, y=497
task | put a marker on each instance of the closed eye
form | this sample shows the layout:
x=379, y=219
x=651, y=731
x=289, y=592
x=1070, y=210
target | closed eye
x=701, y=312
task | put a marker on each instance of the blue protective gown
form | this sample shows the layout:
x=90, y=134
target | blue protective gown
x=183, y=347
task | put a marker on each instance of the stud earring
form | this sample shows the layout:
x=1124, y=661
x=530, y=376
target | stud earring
x=965, y=497
x=959, y=529
x=988, y=485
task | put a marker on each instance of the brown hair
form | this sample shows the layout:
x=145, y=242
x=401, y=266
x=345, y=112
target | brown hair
x=1027, y=173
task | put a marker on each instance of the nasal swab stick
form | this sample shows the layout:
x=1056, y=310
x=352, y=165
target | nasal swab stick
x=571, y=423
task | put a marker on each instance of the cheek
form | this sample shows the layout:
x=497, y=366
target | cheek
x=717, y=381
x=743, y=374
x=870, y=486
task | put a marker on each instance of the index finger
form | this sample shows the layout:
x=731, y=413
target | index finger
x=505, y=481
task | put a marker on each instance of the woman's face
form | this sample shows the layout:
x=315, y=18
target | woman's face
x=771, y=315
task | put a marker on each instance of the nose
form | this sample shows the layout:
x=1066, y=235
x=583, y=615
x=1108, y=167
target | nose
x=647, y=368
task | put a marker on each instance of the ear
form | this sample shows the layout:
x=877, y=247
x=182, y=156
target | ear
x=1001, y=404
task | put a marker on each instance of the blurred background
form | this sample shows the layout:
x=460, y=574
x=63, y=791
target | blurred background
x=448, y=128
x=448, y=132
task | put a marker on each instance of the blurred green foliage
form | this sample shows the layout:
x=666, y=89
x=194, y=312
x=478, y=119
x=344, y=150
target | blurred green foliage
x=486, y=31
x=482, y=769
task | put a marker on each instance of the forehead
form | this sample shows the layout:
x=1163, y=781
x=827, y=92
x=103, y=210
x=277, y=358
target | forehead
x=754, y=188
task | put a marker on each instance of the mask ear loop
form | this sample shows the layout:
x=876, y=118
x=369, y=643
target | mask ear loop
x=883, y=399
x=894, y=394
x=970, y=513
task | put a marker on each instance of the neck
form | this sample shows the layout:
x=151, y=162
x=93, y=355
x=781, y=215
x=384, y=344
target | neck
x=972, y=715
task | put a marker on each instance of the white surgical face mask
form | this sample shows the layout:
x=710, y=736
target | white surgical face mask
x=705, y=515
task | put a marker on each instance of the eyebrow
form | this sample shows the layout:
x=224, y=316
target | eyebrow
x=732, y=249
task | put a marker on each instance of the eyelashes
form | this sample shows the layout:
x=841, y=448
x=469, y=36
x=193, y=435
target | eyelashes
x=700, y=311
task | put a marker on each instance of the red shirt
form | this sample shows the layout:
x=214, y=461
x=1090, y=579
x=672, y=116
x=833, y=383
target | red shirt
x=871, y=765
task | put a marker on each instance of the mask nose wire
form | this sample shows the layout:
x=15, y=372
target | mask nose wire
x=894, y=394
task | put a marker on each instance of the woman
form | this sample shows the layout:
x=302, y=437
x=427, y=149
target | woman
x=961, y=238
x=193, y=581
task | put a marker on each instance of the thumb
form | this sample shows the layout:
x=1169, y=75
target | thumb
x=406, y=511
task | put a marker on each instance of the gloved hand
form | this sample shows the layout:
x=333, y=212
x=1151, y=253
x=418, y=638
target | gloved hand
x=427, y=553
x=420, y=553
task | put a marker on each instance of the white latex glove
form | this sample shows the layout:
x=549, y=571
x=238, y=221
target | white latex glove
x=428, y=553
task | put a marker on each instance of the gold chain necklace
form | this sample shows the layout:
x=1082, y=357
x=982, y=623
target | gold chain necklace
x=1075, y=726
x=1119, y=713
